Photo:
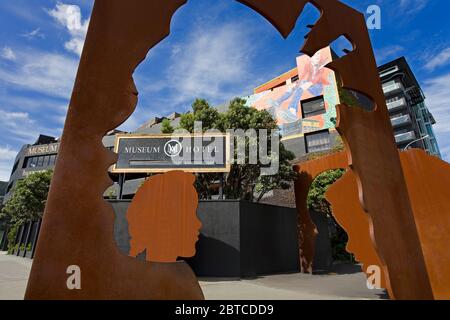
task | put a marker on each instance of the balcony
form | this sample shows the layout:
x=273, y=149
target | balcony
x=400, y=121
x=405, y=137
x=392, y=87
x=397, y=104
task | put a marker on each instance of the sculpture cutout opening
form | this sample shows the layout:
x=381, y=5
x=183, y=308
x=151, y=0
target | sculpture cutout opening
x=162, y=218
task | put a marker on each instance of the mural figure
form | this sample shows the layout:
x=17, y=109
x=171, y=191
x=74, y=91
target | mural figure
x=284, y=103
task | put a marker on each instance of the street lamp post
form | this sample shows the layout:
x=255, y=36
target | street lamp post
x=417, y=140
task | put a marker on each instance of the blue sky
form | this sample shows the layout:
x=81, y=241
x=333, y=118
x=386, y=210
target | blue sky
x=217, y=50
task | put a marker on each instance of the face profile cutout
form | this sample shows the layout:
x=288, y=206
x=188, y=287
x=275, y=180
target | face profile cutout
x=162, y=218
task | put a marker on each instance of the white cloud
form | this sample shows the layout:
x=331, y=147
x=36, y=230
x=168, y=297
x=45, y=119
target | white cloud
x=439, y=60
x=7, y=156
x=19, y=126
x=213, y=63
x=70, y=17
x=413, y=6
x=47, y=73
x=8, y=54
x=438, y=101
x=36, y=33
x=388, y=53
x=5, y=170
x=6, y=153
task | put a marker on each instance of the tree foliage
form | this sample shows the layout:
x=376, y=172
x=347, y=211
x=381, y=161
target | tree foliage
x=318, y=203
x=316, y=195
x=27, y=202
x=243, y=180
x=166, y=127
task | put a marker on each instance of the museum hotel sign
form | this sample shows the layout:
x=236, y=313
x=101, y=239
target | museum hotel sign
x=161, y=153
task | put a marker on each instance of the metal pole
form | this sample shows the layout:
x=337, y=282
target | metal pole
x=121, y=183
x=417, y=140
x=36, y=237
x=4, y=241
x=221, y=187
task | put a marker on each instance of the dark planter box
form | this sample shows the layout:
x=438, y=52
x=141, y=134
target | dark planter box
x=237, y=238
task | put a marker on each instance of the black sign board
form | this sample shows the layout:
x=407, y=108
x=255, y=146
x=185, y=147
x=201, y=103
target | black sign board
x=161, y=153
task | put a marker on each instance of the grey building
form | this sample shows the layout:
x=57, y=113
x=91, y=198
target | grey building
x=411, y=120
x=40, y=156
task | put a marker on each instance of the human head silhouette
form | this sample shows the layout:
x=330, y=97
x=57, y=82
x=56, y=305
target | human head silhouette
x=162, y=218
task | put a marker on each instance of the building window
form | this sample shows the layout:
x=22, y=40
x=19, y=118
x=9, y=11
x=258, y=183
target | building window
x=39, y=161
x=52, y=160
x=313, y=107
x=33, y=162
x=317, y=141
x=46, y=161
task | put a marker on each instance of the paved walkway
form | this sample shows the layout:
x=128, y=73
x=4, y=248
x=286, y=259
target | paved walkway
x=346, y=283
x=14, y=272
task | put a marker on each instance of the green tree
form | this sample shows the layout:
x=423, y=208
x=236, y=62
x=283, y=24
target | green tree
x=27, y=202
x=316, y=195
x=243, y=180
x=318, y=203
x=201, y=111
x=166, y=127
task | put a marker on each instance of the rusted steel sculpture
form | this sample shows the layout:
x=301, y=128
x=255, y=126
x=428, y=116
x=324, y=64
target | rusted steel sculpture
x=343, y=197
x=163, y=225
x=370, y=143
x=307, y=231
x=78, y=224
x=427, y=180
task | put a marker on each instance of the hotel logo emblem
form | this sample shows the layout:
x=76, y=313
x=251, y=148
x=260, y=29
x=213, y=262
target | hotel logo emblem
x=172, y=148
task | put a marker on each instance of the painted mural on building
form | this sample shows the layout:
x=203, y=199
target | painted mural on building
x=285, y=102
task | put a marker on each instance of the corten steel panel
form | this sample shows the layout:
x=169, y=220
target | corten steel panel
x=162, y=218
x=77, y=227
x=307, y=231
x=428, y=180
x=368, y=136
x=343, y=198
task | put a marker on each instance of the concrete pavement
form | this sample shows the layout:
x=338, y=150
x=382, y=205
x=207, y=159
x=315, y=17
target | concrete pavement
x=14, y=272
x=346, y=282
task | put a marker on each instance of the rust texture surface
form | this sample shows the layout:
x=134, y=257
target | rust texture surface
x=428, y=180
x=78, y=224
x=162, y=218
x=307, y=231
x=368, y=137
x=343, y=197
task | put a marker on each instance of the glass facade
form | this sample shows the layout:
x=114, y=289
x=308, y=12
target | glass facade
x=39, y=161
x=411, y=120
x=318, y=141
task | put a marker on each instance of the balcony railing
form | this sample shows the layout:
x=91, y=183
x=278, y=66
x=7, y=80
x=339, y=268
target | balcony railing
x=405, y=137
x=397, y=104
x=392, y=87
x=406, y=119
